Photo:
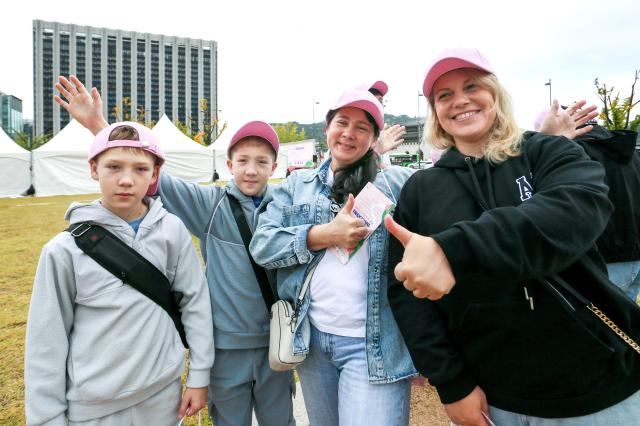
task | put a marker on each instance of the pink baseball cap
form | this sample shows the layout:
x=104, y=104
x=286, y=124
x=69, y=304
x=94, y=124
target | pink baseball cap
x=379, y=85
x=148, y=141
x=453, y=59
x=364, y=100
x=258, y=129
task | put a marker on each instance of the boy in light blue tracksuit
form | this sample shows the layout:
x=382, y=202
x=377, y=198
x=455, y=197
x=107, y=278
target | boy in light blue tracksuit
x=241, y=379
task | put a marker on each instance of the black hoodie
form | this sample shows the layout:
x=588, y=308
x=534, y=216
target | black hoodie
x=615, y=150
x=502, y=227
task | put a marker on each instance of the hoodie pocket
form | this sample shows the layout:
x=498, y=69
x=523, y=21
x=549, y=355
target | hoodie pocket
x=510, y=346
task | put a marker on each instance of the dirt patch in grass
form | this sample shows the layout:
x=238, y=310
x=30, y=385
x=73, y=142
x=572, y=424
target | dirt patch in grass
x=426, y=409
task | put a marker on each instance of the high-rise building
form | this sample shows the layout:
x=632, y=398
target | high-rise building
x=138, y=74
x=10, y=114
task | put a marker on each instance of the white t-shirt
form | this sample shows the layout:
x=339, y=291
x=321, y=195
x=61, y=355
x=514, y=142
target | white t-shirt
x=339, y=292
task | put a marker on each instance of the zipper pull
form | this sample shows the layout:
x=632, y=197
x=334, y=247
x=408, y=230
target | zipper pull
x=528, y=298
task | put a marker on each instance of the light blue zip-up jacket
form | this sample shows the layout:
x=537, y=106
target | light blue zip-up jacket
x=240, y=317
x=280, y=242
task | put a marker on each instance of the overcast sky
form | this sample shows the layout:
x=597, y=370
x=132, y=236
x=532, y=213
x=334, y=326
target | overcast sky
x=276, y=57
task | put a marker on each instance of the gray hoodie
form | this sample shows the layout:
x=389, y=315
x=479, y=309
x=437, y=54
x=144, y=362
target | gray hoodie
x=95, y=346
x=240, y=317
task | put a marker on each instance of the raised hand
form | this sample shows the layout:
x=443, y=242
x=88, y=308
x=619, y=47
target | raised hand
x=85, y=107
x=564, y=122
x=390, y=138
x=424, y=270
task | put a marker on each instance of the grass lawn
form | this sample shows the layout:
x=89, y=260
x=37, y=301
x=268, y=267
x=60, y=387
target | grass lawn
x=26, y=224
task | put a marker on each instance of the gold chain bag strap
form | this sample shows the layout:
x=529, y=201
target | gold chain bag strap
x=589, y=305
x=612, y=325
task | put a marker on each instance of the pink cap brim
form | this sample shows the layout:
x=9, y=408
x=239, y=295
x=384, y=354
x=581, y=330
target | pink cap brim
x=258, y=129
x=453, y=59
x=364, y=100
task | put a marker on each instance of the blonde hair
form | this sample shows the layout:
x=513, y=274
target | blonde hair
x=504, y=136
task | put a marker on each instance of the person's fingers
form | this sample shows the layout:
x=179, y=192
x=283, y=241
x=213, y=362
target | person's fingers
x=184, y=407
x=63, y=91
x=348, y=207
x=95, y=95
x=421, y=293
x=583, y=130
x=585, y=115
x=71, y=88
x=78, y=84
x=554, y=107
x=61, y=102
x=571, y=109
x=401, y=233
x=400, y=274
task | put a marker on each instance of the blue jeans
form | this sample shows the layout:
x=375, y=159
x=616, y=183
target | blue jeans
x=626, y=412
x=626, y=275
x=336, y=388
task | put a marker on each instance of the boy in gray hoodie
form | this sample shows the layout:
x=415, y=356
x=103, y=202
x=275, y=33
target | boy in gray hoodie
x=98, y=351
x=241, y=379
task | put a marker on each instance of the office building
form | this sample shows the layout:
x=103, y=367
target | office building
x=139, y=75
x=10, y=114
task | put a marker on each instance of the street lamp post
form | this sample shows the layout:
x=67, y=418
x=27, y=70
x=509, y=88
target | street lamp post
x=548, y=83
x=314, y=110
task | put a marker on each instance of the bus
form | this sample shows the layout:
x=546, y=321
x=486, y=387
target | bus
x=403, y=159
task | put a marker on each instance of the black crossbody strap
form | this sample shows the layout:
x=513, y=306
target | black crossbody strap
x=131, y=267
x=241, y=220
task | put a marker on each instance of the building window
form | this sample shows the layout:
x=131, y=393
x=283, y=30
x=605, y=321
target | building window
x=81, y=61
x=96, y=61
x=168, y=80
x=47, y=82
x=111, y=77
x=126, y=78
x=155, y=81
x=141, y=63
x=182, y=100
x=64, y=70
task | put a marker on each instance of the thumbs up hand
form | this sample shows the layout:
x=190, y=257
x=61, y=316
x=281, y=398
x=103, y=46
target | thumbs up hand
x=346, y=230
x=424, y=270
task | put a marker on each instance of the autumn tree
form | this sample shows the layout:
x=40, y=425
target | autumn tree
x=289, y=132
x=616, y=112
x=209, y=132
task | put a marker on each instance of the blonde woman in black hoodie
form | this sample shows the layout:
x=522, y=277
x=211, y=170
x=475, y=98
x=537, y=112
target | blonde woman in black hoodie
x=495, y=245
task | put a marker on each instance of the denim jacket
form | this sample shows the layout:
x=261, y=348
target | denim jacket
x=280, y=242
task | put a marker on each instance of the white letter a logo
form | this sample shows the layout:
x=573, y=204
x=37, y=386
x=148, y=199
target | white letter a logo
x=526, y=190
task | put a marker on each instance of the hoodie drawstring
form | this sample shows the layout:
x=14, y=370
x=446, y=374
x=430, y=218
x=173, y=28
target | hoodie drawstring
x=476, y=185
x=492, y=203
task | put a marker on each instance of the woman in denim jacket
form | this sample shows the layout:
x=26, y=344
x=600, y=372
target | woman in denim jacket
x=357, y=369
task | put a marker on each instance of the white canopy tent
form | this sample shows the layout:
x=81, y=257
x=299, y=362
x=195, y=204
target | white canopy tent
x=219, y=148
x=15, y=173
x=60, y=166
x=186, y=158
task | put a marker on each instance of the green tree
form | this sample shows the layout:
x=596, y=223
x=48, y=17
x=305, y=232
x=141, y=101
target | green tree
x=616, y=112
x=289, y=132
x=24, y=140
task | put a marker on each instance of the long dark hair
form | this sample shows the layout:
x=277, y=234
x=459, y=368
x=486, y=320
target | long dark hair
x=352, y=178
